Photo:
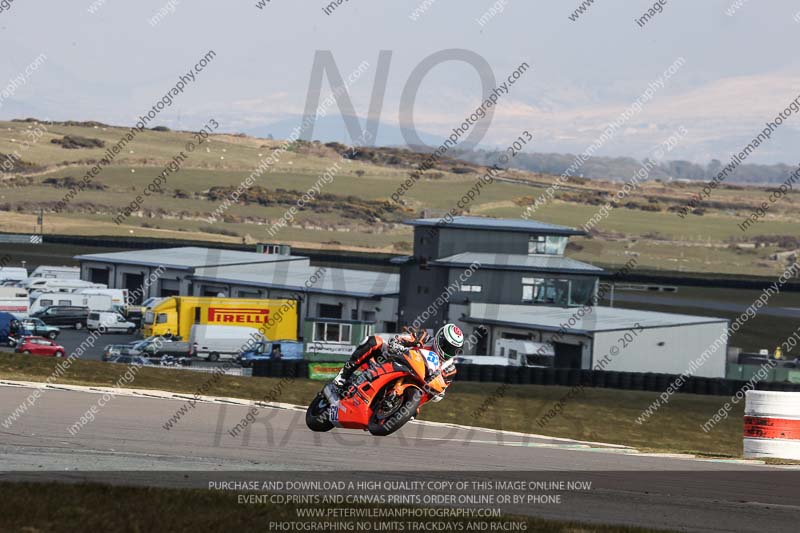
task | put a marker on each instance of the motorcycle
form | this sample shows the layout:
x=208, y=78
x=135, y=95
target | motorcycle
x=383, y=395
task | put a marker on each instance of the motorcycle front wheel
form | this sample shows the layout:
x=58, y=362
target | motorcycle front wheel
x=391, y=412
x=317, y=414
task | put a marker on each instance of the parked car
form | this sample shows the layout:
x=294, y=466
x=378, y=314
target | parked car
x=67, y=315
x=6, y=322
x=113, y=350
x=157, y=346
x=111, y=320
x=39, y=346
x=269, y=351
x=38, y=328
x=130, y=360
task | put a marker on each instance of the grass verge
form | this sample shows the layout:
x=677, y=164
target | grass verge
x=601, y=415
x=55, y=507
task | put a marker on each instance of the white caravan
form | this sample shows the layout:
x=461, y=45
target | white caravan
x=59, y=285
x=119, y=297
x=14, y=300
x=95, y=302
x=56, y=272
x=13, y=274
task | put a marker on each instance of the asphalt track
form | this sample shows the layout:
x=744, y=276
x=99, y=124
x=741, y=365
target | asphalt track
x=128, y=435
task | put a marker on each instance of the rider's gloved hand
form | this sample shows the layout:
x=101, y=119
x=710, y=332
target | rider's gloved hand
x=397, y=346
x=448, y=374
x=413, y=337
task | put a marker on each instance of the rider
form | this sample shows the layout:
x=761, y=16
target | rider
x=447, y=343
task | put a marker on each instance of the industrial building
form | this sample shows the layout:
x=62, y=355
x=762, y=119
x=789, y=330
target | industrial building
x=606, y=338
x=497, y=279
x=509, y=279
x=338, y=307
x=517, y=262
x=128, y=270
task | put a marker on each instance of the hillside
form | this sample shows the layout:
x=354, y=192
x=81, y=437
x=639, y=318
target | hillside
x=354, y=210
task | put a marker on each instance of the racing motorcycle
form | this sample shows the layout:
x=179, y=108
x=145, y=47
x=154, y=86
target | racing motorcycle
x=383, y=394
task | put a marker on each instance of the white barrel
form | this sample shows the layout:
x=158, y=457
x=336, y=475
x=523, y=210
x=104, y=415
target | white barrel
x=772, y=424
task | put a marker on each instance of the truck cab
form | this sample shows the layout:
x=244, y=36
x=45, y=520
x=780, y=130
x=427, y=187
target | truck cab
x=162, y=319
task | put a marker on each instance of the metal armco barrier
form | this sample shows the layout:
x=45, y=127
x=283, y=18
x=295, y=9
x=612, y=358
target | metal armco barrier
x=772, y=424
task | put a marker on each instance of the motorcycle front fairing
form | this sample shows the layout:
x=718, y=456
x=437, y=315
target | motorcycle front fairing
x=353, y=411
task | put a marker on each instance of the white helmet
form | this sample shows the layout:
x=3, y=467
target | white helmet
x=448, y=341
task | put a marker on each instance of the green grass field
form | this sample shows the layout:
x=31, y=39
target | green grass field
x=662, y=240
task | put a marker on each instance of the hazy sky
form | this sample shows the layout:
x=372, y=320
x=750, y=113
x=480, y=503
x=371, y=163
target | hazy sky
x=112, y=65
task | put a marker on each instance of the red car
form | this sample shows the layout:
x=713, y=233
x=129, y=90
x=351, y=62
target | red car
x=39, y=346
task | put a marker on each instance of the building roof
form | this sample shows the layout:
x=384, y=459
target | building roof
x=599, y=319
x=533, y=263
x=498, y=224
x=187, y=257
x=295, y=276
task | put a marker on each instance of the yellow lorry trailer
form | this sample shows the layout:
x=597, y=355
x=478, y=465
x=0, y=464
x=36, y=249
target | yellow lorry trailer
x=275, y=319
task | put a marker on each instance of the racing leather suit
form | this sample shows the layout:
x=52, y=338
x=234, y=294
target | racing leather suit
x=373, y=346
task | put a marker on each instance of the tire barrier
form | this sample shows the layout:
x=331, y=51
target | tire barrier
x=772, y=424
x=288, y=368
x=565, y=377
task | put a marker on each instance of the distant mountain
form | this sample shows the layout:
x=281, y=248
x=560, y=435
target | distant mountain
x=623, y=168
x=333, y=129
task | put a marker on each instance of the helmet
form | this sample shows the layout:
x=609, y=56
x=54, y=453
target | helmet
x=448, y=341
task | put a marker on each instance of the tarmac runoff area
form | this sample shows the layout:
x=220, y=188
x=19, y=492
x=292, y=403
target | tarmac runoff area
x=617, y=484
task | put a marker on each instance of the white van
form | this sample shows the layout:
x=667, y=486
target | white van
x=119, y=297
x=14, y=300
x=111, y=320
x=59, y=285
x=56, y=272
x=482, y=360
x=215, y=342
x=95, y=302
x=13, y=274
x=525, y=353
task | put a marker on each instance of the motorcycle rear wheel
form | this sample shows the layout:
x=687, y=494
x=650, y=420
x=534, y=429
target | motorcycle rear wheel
x=317, y=414
x=385, y=422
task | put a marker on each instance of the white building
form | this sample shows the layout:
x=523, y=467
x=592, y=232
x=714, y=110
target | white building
x=606, y=338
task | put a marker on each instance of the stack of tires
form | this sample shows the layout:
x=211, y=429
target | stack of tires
x=772, y=424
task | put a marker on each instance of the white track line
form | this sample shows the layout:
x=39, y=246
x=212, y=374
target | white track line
x=571, y=444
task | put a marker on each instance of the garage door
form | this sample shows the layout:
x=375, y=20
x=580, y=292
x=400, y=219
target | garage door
x=169, y=287
x=568, y=355
x=134, y=283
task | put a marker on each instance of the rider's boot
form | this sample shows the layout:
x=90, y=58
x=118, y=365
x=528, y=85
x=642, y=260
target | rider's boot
x=344, y=375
